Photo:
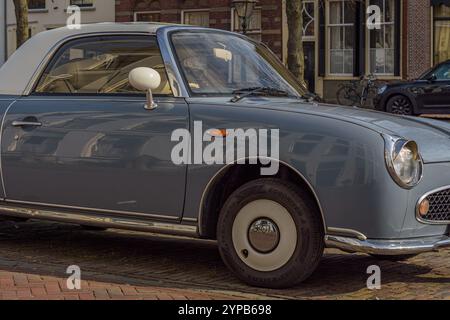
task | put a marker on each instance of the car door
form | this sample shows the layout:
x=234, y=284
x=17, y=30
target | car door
x=83, y=139
x=434, y=95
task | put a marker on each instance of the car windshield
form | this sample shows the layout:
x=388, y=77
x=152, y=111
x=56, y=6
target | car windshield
x=218, y=64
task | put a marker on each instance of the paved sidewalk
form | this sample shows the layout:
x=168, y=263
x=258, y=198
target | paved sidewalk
x=115, y=264
x=22, y=286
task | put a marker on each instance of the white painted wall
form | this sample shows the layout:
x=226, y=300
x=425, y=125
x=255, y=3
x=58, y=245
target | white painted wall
x=2, y=32
x=55, y=16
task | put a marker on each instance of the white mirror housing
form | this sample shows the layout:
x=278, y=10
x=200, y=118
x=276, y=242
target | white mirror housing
x=145, y=79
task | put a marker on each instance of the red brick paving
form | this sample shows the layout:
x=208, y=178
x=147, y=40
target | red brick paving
x=127, y=265
x=18, y=286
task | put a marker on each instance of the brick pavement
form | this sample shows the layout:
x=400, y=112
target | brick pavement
x=129, y=265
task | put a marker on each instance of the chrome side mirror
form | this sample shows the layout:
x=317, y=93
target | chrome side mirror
x=146, y=79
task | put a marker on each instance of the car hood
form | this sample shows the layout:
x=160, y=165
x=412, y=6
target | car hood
x=432, y=136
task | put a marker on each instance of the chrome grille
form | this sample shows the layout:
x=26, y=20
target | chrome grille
x=439, y=206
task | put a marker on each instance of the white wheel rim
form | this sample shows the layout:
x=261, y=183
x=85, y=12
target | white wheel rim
x=287, y=231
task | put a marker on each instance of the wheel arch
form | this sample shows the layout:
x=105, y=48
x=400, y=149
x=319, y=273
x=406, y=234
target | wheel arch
x=403, y=94
x=234, y=175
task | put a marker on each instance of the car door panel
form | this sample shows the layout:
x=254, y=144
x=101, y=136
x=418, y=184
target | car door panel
x=5, y=103
x=433, y=96
x=104, y=153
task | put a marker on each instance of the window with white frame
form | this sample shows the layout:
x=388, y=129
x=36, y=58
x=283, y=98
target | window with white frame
x=82, y=3
x=196, y=18
x=308, y=19
x=441, y=33
x=341, y=37
x=36, y=4
x=382, y=41
x=148, y=16
x=254, y=29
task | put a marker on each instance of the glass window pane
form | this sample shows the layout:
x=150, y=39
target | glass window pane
x=214, y=63
x=102, y=66
x=389, y=11
x=377, y=60
x=442, y=11
x=336, y=62
x=390, y=58
x=377, y=38
x=335, y=12
x=349, y=37
x=36, y=4
x=308, y=19
x=348, y=61
x=197, y=18
x=441, y=41
x=389, y=36
x=349, y=12
x=149, y=17
x=336, y=37
x=443, y=72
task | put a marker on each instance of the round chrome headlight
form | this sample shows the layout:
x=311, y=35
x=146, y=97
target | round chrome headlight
x=404, y=162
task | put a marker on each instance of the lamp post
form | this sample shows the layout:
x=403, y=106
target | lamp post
x=244, y=10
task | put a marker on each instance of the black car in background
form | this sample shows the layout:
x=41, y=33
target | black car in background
x=430, y=94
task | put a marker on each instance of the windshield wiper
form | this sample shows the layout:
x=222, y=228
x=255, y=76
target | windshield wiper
x=246, y=92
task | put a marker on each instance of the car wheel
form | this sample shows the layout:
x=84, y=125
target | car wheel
x=394, y=258
x=400, y=105
x=270, y=234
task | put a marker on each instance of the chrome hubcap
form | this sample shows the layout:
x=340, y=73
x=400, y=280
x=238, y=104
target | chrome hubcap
x=263, y=235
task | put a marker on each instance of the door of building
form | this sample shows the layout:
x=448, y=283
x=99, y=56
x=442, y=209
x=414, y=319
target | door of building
x=310, y=64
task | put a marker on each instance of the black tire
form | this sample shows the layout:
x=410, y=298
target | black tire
x=347, y=96
x=401, y=105
x=307, y=224
x=402, y=257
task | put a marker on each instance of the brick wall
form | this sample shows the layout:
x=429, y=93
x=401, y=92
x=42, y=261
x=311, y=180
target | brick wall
x=418, y=35
x=220, y=15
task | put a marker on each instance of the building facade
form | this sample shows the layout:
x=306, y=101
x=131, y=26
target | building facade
x=50, y=14
x=414, y=34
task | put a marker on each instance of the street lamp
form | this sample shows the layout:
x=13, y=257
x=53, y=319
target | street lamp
x=244, y=10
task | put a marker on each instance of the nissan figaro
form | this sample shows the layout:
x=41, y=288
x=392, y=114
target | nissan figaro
x=95, y=121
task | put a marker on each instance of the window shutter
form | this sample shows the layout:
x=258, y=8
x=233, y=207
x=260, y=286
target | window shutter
x=322, y=39
x=398, y=20
x=359, y=57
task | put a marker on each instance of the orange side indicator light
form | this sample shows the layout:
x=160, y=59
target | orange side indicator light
x=424, y=207
x=219, y=133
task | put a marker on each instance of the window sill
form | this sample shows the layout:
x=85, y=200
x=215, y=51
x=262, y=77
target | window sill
x=85, y=9
x=38, y=10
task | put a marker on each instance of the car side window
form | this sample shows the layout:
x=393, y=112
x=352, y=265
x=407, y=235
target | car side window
x=100, y=65
x=443, y=72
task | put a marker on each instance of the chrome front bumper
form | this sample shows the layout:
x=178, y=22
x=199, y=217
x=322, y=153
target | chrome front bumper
x=387, y=247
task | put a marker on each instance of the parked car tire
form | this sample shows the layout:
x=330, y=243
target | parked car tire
x=400, y=104
x=270, y=234
x=394, y=258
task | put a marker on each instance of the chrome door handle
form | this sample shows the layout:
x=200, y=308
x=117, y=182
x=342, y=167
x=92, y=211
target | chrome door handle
x=26, y=124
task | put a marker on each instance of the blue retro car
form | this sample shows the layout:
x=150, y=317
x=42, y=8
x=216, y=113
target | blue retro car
x=93, y=119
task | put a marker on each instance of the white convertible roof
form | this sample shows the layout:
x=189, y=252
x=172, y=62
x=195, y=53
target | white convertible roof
x=20, y=68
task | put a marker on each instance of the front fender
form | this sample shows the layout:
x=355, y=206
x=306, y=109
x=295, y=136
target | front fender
x=399, y=91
